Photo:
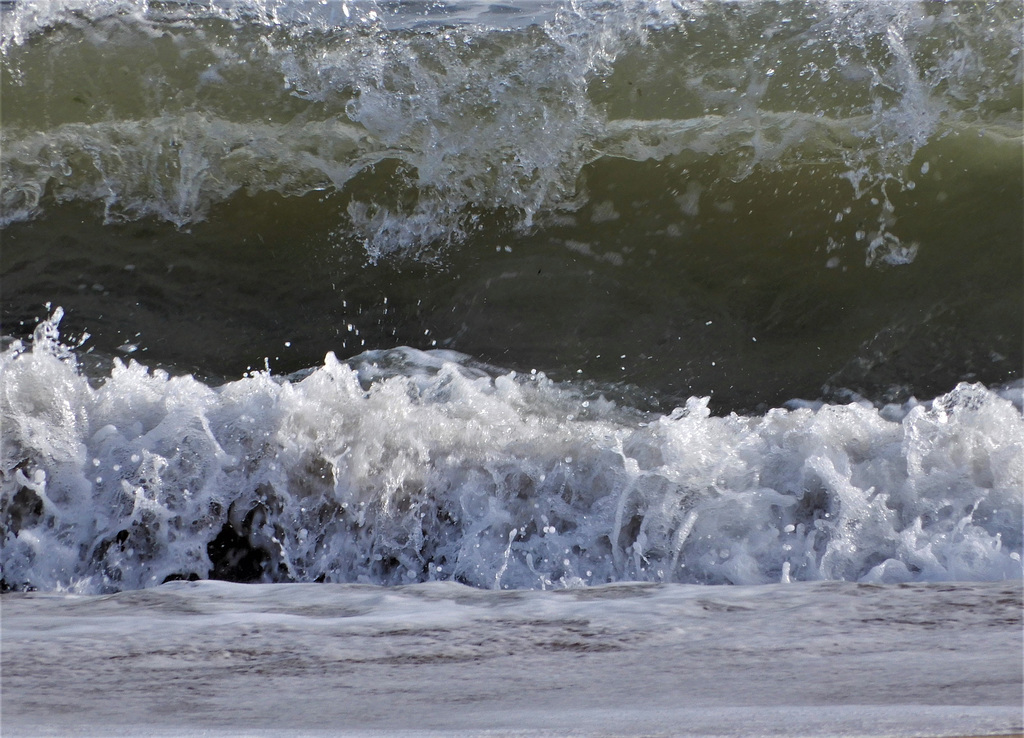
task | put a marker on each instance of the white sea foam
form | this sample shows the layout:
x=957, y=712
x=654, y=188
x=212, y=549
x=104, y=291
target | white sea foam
x=407, y=466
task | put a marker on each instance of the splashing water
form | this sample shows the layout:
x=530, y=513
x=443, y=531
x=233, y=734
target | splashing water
x=407, y=466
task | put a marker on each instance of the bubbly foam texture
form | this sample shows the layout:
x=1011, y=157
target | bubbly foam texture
x=456, y=113
x=406, y=466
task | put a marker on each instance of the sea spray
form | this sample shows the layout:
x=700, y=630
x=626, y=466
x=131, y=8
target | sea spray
x=406, y=466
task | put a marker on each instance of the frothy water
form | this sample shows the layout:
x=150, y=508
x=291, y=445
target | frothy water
x=405, y=466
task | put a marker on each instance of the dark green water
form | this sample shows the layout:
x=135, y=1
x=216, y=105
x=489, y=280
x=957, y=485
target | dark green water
x=756, y=201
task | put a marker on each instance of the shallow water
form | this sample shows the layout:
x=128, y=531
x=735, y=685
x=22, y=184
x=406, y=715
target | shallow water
x=212, y=658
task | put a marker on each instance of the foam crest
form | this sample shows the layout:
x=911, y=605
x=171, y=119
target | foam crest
x=426, y=120
x=407, y=466
x=175, y=168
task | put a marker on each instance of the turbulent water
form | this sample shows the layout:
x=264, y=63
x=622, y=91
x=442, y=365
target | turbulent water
x=569, y=263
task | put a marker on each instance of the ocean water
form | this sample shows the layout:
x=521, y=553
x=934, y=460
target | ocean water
x=528, y=296
x=538, y=368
